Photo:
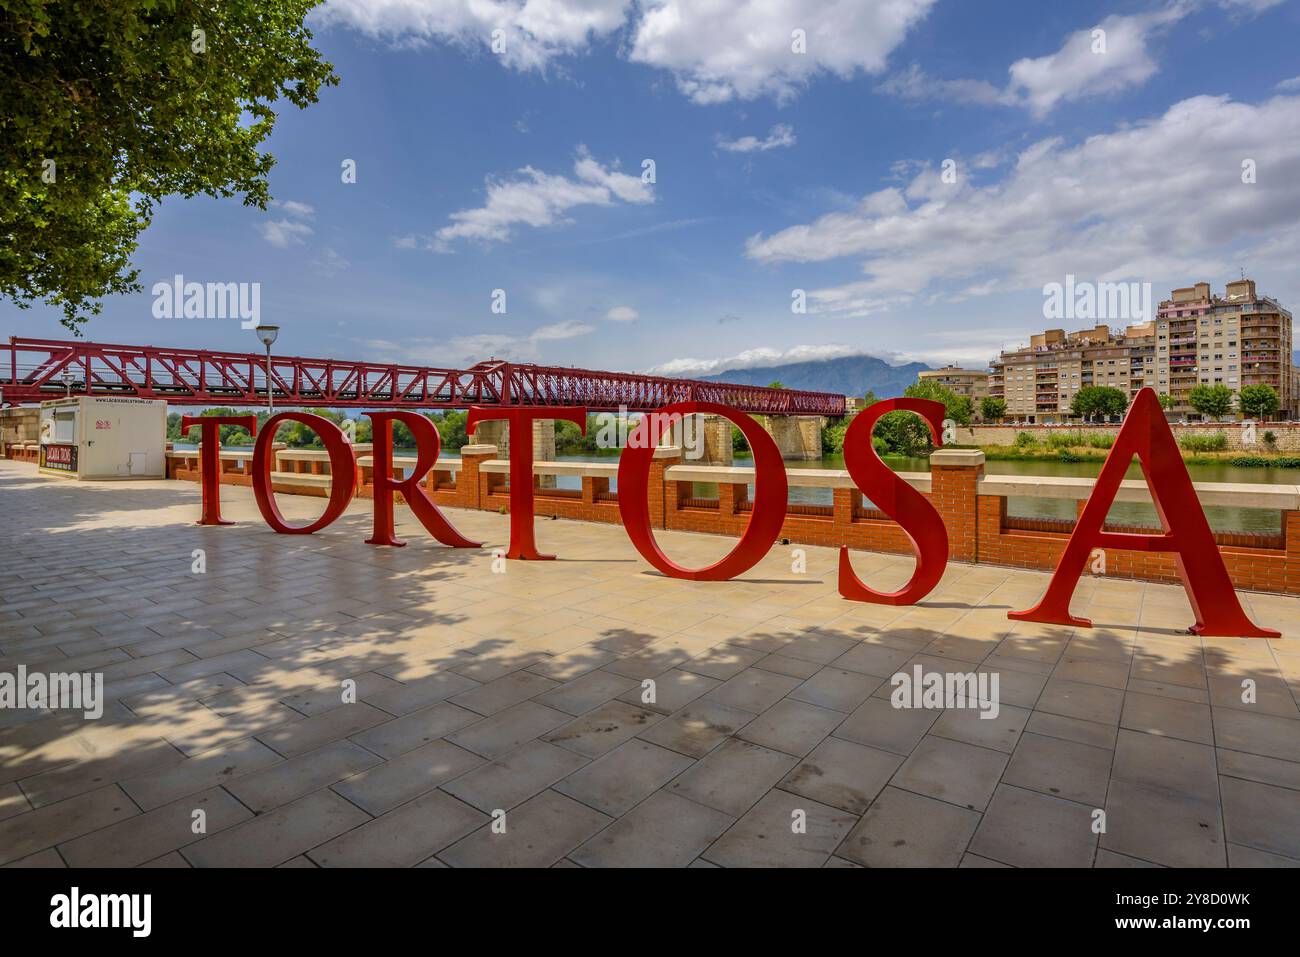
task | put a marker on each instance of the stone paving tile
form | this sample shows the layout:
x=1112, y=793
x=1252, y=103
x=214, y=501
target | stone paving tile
x=33, y=831
x=65, y=782
x=587, y=692
x=879, y=724
x=1167, y=717
x=999, y=731
x=1028, y=829
x=837, y=689
x=422, y=692
x=396, y=737
x=1154, y=824
x=1076, y=699
x=1066, y=769
x=664, y=830
x=274, y=838
x=733, y=777
x=795, y=727
x=506, y=730
x=403, y=837
x=673, y=690
x=385, y=786
x=903, y=829
x=151, y=835
x=619, y=780
x=538, y=834
x=603, y=729
x=782, y=830
x=1181, y=766
x=753, y=690
x=698, y=728
x=843, y=774
x=509, y=781
x=299, y=737
x=1262, y=816
x=952, y=771
x=501, y=693
x=289, y=780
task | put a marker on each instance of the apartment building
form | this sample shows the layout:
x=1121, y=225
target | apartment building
x=1039, y=381
x=1237, y=339
x=971, y=382
x=1196, y=338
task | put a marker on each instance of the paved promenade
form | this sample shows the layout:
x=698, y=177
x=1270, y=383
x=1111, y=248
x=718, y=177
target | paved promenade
x=487, y=702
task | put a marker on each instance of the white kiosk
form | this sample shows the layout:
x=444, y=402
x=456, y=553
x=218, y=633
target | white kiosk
x=87, y=437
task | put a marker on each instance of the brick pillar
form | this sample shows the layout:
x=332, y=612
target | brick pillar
x=657, y=490
x=954, y=489
x=731, y=496
x=843, y=503
x=468, y=484
x=1291, y=532
x=593, y=486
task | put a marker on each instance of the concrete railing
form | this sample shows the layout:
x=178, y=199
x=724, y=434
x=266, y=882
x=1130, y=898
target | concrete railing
x=973, y=506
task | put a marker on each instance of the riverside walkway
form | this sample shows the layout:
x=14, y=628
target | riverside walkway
x=329, y=703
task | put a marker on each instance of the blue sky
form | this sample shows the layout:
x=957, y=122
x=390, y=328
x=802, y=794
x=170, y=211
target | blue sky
x=775, y=171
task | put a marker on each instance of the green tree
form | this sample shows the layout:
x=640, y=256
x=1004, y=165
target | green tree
x=1095, y=400
x=1259, y=401
x=904, y=433
x=1212, y=401
x=993, y=408
x=1166, y=400
x=107, y=106
x=776, y=384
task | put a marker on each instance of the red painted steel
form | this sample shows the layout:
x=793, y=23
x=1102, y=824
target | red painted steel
x=33, y=369
x=1147, y=435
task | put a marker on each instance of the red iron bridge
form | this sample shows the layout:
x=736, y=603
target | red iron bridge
x=36, y=369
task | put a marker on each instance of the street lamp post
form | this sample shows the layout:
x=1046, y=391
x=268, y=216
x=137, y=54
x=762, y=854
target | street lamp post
x=67, y=383
x=267, y=334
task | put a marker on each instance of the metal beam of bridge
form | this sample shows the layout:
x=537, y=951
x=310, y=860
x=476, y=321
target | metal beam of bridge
x=36, y=369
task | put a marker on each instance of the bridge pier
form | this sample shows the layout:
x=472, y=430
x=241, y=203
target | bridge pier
x=497, y=432
x=797, y=437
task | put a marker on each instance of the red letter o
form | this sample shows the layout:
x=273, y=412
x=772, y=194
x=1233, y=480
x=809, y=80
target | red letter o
x=342, y=470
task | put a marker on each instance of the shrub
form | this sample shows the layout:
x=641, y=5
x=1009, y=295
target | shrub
x=1026, y=441
x=1215, y=442
x=1264, y=462
x=1065, y=455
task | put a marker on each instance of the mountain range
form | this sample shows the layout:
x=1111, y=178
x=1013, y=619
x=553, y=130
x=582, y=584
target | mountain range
x=847, y=375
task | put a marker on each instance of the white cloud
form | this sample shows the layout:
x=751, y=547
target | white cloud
x=722, y=50
x=1160, y=200
x=752, y=358
x=465, y=350
x=1287, y=86
x=622, y=314
x=536, y=199
x=1100, y=60
x=778, y=136
x=283, y=233
x=533, y=31
x=717, y=50
x=294, y=208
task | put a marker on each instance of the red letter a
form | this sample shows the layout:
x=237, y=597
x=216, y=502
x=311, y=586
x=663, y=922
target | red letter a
x=1147, y=435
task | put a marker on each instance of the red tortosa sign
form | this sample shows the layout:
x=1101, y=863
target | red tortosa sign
x=1145, y=434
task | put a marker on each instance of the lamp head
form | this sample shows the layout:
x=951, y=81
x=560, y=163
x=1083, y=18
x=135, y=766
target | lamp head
x=267, y=334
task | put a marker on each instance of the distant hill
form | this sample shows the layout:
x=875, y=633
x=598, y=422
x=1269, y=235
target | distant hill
x=848, y=375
